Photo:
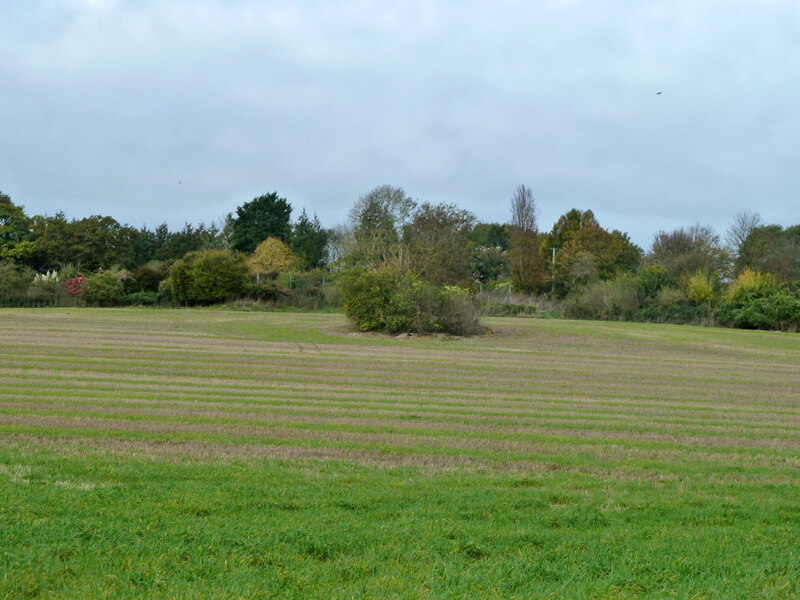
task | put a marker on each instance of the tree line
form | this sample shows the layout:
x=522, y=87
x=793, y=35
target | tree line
x=398, y=265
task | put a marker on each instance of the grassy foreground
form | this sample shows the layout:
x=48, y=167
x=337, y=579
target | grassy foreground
x=183, y=454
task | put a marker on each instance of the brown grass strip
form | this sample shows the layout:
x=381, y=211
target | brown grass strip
x=608, y=451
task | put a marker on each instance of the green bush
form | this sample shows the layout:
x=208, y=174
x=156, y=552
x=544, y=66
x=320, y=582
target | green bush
x=147, y=277
x=753, y=302
x=443, y=309
x=603, y=300
x=392, y=302
x=511, y=309
x=103, y=289
x=14, y=282
x=651, y=279
x=45, y=290
x=266, y=290
x=165, y=292
x=672, y=306
x=373, y=300
x=141, y=299
x=647, y=298
x=307, y=289
x=784, y=309
x=748, y=285
x=208, y=277
x=699, y=289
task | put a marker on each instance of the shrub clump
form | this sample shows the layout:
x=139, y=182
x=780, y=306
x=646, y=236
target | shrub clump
x=47, y=290
x=754, y=301
x=649, y=295
x=389, y=301
x=103, y=289
x=604, y=300
x=699, y=289
x=147, y=277
x=207, y=277
x=14, y=282
x=141, y=299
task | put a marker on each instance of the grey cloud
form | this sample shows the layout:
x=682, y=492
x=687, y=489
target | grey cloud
x=112, y=104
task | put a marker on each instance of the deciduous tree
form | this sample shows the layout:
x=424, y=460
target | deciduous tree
x=438, y=244
x=771, y=249
x=743, y=225
x=376, y=221
x=270, y=258
x=578, y=237
x=683, y=252
x=15, y=231
x=527, y=266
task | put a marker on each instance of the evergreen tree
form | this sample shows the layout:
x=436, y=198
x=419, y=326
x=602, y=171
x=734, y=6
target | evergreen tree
x=309, y=242
x=263, y=217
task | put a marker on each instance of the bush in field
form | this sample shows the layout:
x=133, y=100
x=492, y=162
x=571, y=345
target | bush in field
x=445, y=309
x=208, y=277
x=389, y=301
x=378, y=300
x=103, y=289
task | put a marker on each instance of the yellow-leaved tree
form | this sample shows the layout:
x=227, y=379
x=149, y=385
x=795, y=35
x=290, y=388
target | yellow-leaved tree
x=698, y=288
x=270, y=258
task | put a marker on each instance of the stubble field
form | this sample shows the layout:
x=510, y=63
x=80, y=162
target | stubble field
x=211, y=453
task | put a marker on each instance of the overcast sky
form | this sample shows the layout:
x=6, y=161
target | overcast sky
x=176, y=111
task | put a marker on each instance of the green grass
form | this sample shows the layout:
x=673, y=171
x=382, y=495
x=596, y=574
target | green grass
x=232, y=454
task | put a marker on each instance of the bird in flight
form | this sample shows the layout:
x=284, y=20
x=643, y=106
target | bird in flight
x=659, y=93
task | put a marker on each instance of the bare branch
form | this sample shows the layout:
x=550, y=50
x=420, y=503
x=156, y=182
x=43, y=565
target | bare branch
x=523, y=209
x=743, y=225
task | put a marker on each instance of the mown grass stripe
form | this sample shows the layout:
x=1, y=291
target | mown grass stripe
x=387, y=396
x=387, y=387
x=433, y=437
x=661, y=462
x=68, y=356
x=568, y=417
x=575, y=420
x=497, y=406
